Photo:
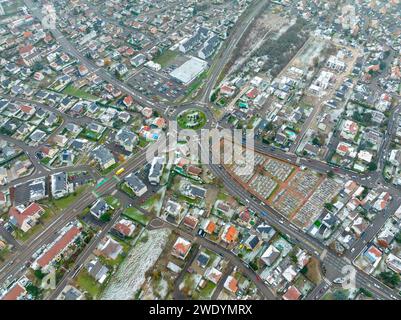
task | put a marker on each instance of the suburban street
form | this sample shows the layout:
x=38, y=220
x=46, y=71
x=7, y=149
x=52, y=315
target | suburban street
x=333, y=263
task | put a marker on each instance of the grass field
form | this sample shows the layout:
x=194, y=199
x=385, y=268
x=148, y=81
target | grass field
x=112, y=201
x=124, y=187
x=166, y=58
x=63, y=203
x=184, y=122
x=88, y=284
x=136, y=215
x=75, y=92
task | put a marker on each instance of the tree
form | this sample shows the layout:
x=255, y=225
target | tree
x=316, y=141
x=315, y=62
x=329, y=206
x=330, y=174
x=340, y=295
x=253, y=265
x=367, y=117
x=106, y=217
x=294, y=258
x=39, y=274
x=372, y=166
x=390, y=278
x=398, y=237
x=33, y=290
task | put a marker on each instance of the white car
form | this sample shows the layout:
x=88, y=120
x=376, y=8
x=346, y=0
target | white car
x=339, y=280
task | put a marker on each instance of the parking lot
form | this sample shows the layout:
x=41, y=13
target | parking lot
x=151, y=83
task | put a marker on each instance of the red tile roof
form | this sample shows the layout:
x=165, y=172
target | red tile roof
x=190, y=222
x=231, y=234
x=14, y=293
x=252, y=93
x=210, y=227
x=123, y=229
x=233, y=284
x=128, y=101
x=31, y=210
x=193, y=170
x=292, y=294
x=25, y=49
x=26, y=109
x=58, y=247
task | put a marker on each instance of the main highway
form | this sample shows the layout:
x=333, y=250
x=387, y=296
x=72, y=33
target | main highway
x=15, y=267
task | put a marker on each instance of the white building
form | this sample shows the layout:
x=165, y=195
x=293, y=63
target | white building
x=189, y=70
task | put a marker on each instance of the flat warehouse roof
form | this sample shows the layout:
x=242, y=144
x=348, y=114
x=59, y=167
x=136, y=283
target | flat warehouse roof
x=188, y=71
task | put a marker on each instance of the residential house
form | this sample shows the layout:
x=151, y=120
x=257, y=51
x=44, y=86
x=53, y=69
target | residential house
x=104, y=157
x=292, y=294
x=126, y=139
x=156, y=170
x=230, y=234
x=109, y=248
x=99, y=208
x=54, y=251
x=181, y=248
x=59, y=185
x=97, y=270
x=136, y=184
x=270, y=255
x=124, y=228
x=231, y=284
x=25, y=218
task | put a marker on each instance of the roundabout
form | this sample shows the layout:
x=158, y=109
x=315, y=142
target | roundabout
x=191, y=119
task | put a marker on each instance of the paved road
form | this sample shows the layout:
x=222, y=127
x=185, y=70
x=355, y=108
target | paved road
x=264, y=290
x=220, y=285
x=20, y=257
x=100, y=72
x=271, y=215
x=177, y=294
x=231, y=42
x=83, y=256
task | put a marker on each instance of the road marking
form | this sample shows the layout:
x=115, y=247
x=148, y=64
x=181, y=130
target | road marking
x=323, y=254
x=347, y=260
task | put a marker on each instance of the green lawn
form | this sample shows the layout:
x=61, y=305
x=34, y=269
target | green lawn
x=166, y=58
x=65, y=202
x=206, y=292
x=45, y=161
x=23, y=236
x=197, y=83
x=136, y=215
x=127, y=190
x=88, y=284
x=184, y=122
x=79, y=93
x=143, y=142
x=110, y=169
x=91, y=135
x=112, y=201
x=3, y=254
